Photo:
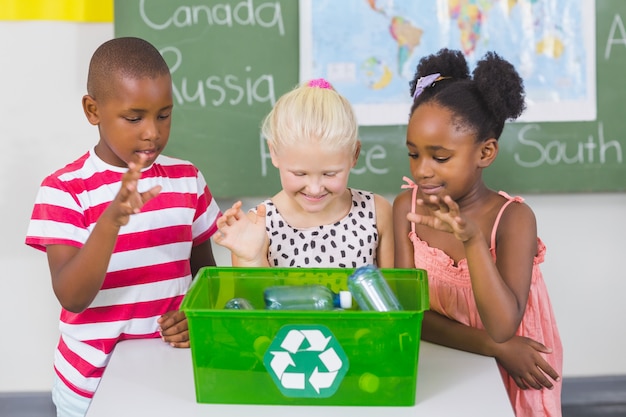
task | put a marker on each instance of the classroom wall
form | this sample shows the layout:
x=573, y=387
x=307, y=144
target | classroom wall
x=42, y=127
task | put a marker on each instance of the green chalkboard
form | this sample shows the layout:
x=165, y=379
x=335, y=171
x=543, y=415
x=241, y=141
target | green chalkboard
x=231, y=59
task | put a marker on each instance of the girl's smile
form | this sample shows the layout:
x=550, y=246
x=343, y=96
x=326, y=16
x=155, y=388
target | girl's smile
x=314, y=198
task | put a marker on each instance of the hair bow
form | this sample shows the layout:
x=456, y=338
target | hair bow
x=424, y=82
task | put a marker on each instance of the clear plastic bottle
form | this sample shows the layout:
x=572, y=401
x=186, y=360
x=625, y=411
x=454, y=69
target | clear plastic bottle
x=305, y=297
x=238, y=304
x=371, y=291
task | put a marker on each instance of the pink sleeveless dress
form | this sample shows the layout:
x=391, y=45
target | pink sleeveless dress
x=451, y=295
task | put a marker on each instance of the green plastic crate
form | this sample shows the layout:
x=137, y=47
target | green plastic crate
x=259, y=356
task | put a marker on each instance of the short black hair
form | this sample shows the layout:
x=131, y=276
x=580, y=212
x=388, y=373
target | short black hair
x=481, y=103
x=126, y=57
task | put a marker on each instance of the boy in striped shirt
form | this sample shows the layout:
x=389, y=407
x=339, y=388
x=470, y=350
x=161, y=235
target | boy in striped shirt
x=125, y=228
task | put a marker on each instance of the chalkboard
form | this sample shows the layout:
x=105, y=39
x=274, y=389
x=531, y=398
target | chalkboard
x=231, y=59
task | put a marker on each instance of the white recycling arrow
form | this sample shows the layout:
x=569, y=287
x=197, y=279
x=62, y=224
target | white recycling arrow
x=321, y=380
x=280, y=362
x=292, y=341
x=331, y=360
x=333, y=363
x=317, y=340
x=292, y=380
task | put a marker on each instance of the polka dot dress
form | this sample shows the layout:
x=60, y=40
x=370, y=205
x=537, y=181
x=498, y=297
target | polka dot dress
x=349, y=243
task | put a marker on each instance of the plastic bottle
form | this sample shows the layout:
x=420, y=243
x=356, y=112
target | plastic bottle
x=305, y=297
x=371, y=291
x=238, y=304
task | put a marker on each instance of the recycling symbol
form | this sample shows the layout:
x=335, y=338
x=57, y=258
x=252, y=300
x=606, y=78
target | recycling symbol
x=306, y=361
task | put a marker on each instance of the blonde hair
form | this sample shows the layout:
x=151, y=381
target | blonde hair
x=312, y=114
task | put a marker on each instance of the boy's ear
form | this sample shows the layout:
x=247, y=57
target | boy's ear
x=90, y=107
x=488, y=152
x=357, y=152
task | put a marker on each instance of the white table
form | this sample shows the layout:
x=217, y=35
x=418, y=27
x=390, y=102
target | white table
x=150, y=378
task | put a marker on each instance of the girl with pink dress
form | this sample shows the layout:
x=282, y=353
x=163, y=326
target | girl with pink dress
x=479, y=247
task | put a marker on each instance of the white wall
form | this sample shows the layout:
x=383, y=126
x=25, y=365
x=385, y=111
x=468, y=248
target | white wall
x=42, y=79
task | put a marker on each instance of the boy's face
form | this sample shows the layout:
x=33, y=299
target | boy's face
x=133, y=118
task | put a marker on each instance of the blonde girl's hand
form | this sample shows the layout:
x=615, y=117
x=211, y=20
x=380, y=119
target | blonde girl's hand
x=444, y=214
x=244, y=235
x=523, y=359
x=129, y=200
x=174, y=329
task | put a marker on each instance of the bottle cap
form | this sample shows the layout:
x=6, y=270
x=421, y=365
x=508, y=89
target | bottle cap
x=345, y=299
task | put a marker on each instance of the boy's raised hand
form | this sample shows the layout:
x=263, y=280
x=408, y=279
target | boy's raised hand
x=244, y=235
x=129, y=200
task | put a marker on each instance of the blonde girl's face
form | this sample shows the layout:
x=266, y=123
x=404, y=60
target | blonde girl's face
x=313, y=176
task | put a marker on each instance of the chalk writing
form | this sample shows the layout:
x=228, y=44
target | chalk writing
x=265, y=155
x=614, y=39
x=245, y=13
x=367, y=158
x=230, y=88
x=555, y=152
x=376, y=153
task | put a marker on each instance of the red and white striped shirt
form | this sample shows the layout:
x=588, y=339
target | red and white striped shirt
x=149, y=270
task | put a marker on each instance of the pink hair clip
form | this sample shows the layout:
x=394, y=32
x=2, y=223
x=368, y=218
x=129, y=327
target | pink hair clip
x=320, y=83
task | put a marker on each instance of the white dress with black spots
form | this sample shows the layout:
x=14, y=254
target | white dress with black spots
x=349, y=243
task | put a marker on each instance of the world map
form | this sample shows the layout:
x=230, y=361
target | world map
x=369, y=49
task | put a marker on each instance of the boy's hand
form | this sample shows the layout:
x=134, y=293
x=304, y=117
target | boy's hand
x=174, y=329
x=522, y=359
x=128, y=200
